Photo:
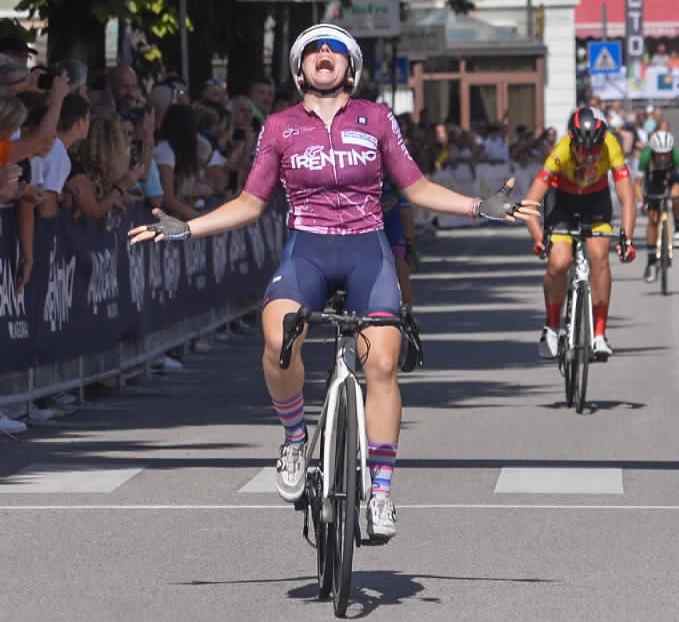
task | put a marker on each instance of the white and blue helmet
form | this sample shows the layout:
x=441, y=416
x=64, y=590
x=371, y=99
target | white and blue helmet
x=333, y=33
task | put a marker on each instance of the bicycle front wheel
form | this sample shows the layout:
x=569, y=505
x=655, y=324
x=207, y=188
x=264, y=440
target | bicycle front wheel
x=345, y=495
x=566, y=356
x=665, y=242
x=325, y=538
x=582, y=354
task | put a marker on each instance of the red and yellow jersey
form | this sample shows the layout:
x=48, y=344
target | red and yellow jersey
x=563, y=172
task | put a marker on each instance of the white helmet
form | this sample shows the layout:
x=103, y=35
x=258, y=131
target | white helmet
x=326, y=31
x=661, y=142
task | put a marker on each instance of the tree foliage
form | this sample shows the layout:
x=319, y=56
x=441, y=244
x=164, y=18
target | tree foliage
x=157, y=16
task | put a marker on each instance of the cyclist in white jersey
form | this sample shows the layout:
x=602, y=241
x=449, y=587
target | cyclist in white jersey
x=329, y=153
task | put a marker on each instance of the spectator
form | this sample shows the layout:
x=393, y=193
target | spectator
x=660, y=57
x=495, y=144
x=285, y=97
x=101, y=176
x=32, y=195
x=177, y=158
x=160, y=99
x=243, y=142
x=12, y=115
x=123, y=85
x=139, y=125
x=211, y=124
x=76, y=72
x=73, y=127
x=17, y=49
x=261, y=93
x=214, y=93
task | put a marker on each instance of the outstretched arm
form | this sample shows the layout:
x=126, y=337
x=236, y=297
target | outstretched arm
x=425, y=193
x=243, y=210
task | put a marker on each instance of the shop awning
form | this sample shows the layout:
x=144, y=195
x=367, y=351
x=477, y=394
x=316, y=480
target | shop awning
x=661, y=18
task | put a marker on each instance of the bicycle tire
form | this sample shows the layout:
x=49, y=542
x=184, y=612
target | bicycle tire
x=346, y=507
x=565, y=354
x=582, y=351
x=325, y=540
x=664, y=256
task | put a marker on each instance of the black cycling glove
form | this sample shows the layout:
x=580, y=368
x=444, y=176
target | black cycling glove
x=171, y=228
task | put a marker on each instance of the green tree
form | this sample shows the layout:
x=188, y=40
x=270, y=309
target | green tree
x=76, y=28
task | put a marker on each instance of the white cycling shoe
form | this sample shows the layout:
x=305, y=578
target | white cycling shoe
x=381, y=516
x=600, y=348
x=548, y=347
x=291, y=471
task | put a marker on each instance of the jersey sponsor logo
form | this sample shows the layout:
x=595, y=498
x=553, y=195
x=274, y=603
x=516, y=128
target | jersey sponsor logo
x=291, y=131
x=316, y=158
x=362, y=139
x=362, y=120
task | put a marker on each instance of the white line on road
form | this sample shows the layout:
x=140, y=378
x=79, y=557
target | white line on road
x=432, y=506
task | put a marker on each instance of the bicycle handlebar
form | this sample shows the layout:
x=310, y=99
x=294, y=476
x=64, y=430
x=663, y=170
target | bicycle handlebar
x=585, y=233
x=293, y=326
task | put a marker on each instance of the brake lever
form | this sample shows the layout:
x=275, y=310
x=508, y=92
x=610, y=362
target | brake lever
x=293, y=325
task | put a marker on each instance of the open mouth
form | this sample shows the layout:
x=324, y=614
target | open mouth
x=325, y=64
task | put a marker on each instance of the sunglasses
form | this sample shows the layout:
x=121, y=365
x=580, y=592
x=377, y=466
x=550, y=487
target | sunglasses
x=333, y=45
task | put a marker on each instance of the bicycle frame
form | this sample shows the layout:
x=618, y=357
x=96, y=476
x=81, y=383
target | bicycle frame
x=579, y=281
x=345, y=359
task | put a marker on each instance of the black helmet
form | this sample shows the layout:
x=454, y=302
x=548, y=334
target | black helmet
x=586, y=128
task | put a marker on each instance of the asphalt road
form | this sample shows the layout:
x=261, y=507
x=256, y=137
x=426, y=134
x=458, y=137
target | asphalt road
x=511, y=506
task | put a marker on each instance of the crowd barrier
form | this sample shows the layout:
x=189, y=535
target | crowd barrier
x=96, y=307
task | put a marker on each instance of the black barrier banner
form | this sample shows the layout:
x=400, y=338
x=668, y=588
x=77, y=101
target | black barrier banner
x=89, y=289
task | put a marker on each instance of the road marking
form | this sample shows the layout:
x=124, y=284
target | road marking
x=263, y=482
x=560, y=481
x=437, y=506
x=52, y=478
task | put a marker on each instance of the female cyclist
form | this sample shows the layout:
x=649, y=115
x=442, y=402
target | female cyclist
x=329, y=153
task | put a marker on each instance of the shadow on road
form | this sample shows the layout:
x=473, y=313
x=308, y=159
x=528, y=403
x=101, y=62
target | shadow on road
x=373, y=589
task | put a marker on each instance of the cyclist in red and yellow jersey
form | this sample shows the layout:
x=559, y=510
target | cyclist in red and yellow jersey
x=578, y=170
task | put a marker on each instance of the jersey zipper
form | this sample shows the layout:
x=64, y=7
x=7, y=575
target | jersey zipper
x=332, y=152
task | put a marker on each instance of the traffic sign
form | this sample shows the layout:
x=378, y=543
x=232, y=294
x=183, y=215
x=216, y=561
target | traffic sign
x=604, y=57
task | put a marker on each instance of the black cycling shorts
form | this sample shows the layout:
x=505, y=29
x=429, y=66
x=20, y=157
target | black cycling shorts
x=594, y=208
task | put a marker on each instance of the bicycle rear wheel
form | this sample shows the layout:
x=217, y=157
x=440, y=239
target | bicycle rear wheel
x=664, y=234
x=582, y=354
x=345, y=496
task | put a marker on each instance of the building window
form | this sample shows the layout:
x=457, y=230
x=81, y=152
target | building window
x=501, y=63
x=441, y=64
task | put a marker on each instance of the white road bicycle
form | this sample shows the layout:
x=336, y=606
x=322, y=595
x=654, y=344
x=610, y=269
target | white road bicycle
x=663, y=247
x=337, y=478
x=577, y=327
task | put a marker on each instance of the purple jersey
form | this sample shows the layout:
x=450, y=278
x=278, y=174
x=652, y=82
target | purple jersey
x=332, y=176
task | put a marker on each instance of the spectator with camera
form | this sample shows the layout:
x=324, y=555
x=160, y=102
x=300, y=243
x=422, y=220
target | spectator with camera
x=101, y=175
x=139, y=125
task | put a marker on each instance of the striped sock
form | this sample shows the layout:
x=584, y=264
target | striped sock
x=381, y=461
x=291, y=415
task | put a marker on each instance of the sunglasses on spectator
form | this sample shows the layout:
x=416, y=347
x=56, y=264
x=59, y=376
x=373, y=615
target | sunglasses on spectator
x=333, y=45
